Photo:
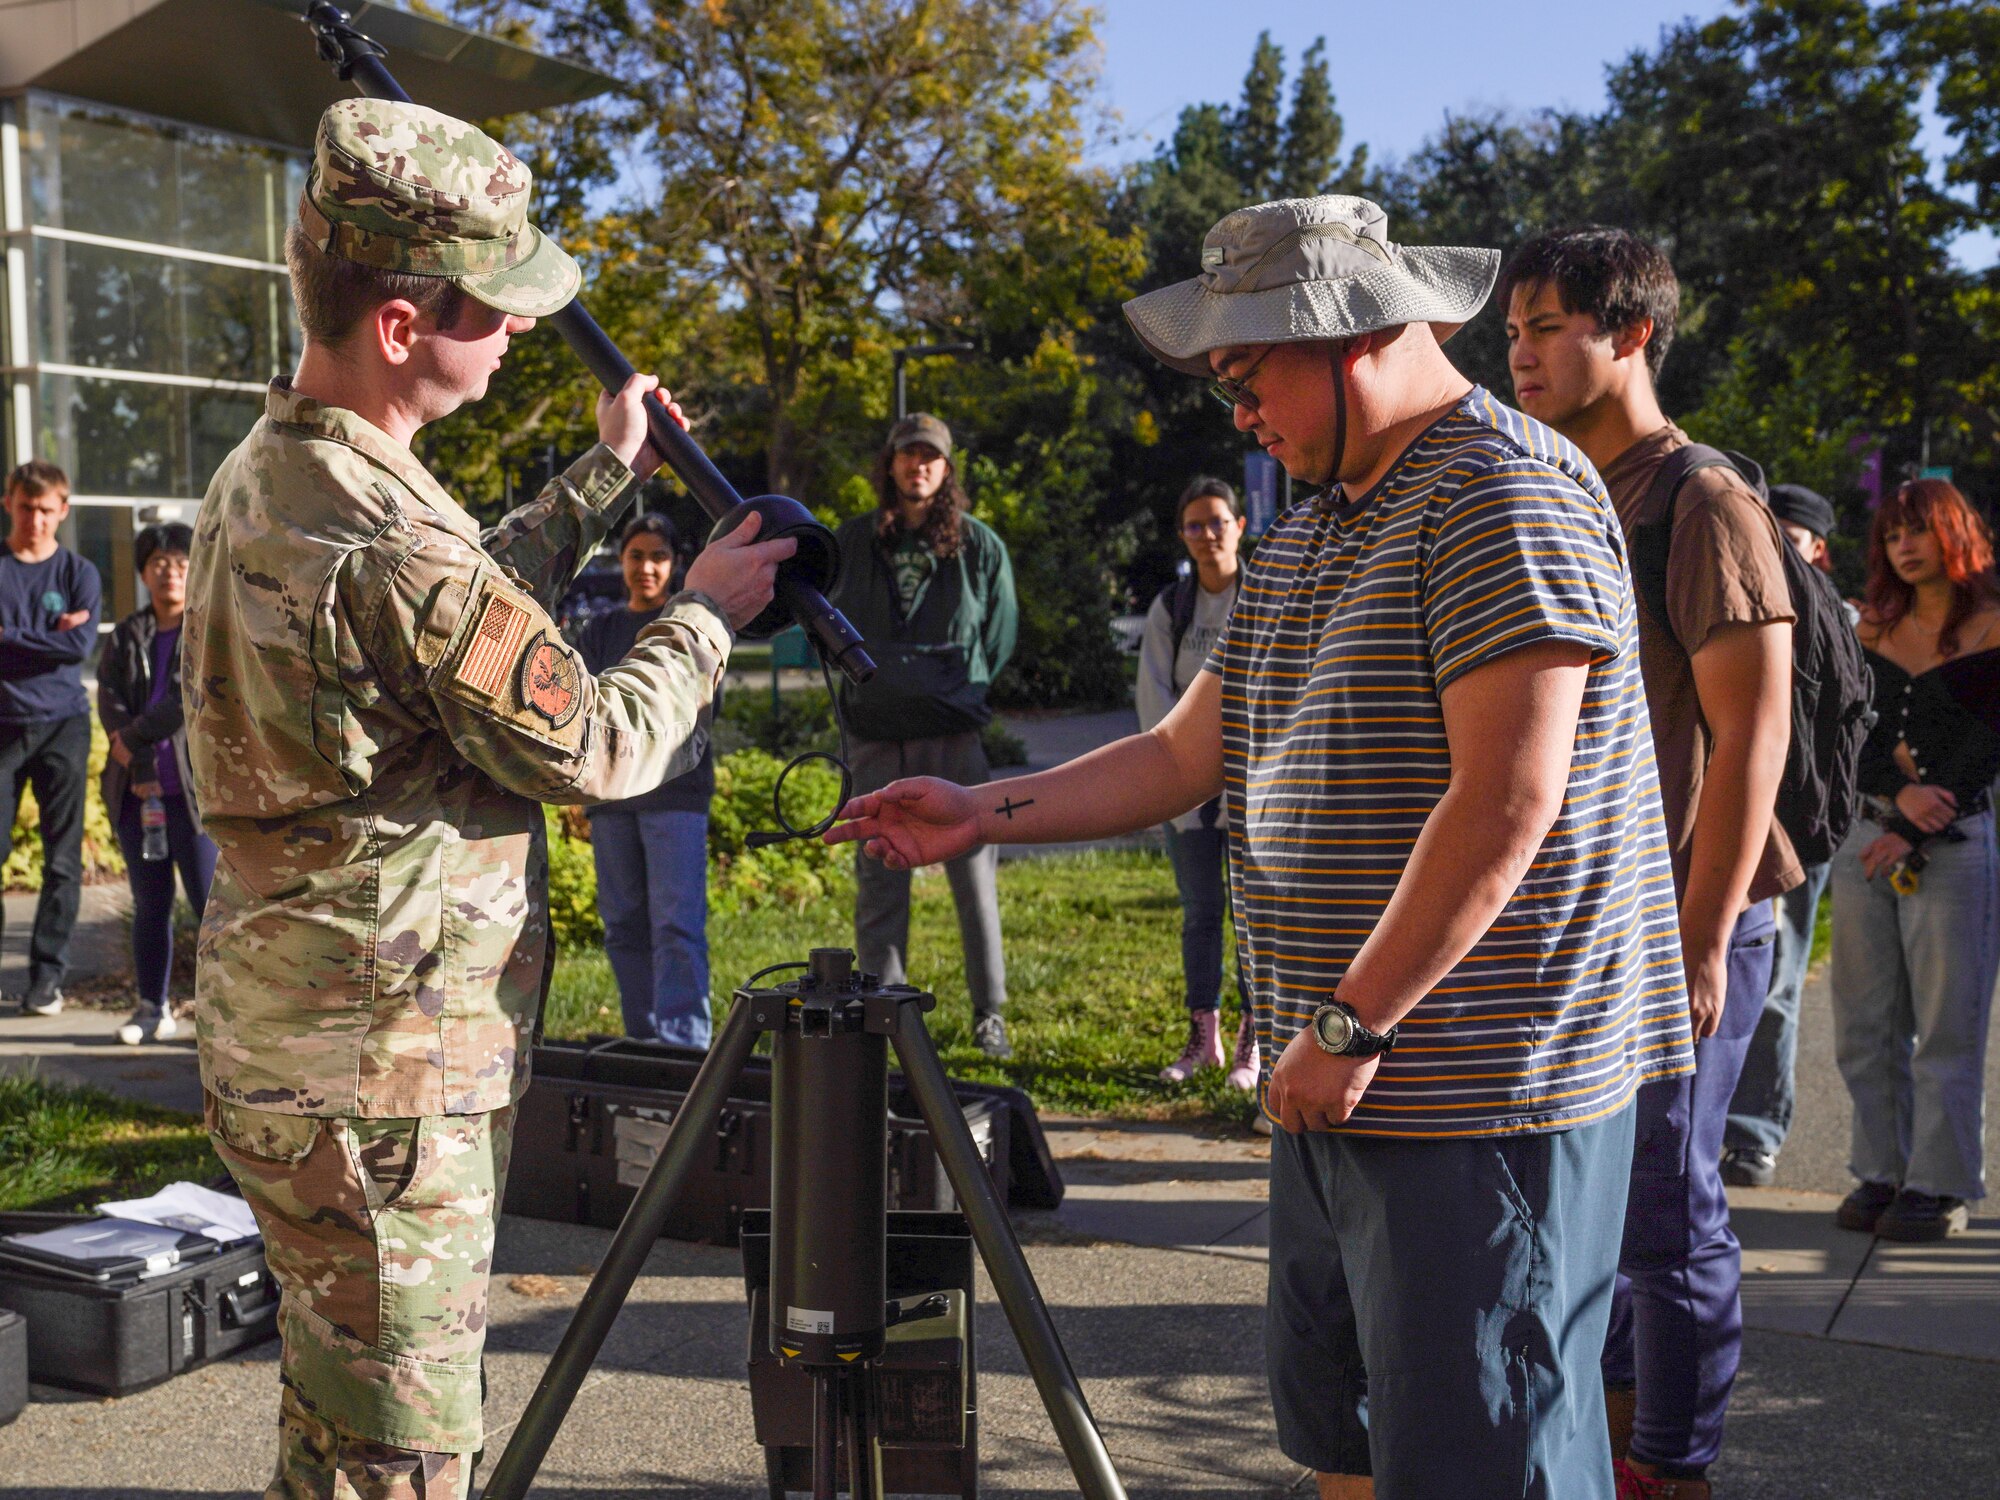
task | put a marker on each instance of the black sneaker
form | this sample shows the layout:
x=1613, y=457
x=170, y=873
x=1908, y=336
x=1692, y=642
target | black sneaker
x=1921, y=1218
x=989, y=1035
x=1745, y=1166
x=1860, y=1209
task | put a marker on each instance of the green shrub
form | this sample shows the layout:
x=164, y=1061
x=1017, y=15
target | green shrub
x=1003, y=747
x=795, y=874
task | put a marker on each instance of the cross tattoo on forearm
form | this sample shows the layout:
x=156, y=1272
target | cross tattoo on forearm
x=1010, y=807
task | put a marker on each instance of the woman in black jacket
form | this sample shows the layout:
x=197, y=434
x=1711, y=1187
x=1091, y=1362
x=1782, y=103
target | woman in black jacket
x=139, y=702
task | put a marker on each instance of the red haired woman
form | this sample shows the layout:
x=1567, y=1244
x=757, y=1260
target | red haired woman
x=1916, y=887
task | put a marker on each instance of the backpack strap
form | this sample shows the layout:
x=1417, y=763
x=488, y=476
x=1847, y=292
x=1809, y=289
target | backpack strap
x=1181, y=595
x=1652, y=542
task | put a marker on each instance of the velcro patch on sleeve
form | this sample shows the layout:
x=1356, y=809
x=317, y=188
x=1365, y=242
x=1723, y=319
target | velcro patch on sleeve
x=495, y=647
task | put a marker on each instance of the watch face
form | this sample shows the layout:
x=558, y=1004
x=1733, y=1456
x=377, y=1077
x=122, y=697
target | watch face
x=1336, y=1029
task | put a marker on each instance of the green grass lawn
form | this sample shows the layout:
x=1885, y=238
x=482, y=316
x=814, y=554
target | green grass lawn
x=63, y=1147
x=1095, y=1002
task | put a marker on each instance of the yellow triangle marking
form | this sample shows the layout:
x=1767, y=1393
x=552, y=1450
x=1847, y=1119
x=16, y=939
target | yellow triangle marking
x=788, y=1353
x=850, y=1357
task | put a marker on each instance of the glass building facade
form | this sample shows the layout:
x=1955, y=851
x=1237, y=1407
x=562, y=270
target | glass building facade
x=146, y=308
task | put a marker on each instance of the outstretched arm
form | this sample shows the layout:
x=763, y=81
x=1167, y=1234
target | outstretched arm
x=1130, y=784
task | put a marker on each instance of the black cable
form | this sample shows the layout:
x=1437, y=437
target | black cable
x=772, y=969
x=764, y=840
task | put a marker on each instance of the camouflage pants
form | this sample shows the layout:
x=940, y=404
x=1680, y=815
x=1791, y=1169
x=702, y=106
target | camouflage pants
x=380, y=1234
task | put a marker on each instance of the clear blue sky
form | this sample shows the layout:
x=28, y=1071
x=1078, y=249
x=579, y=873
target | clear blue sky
x=1397, y=68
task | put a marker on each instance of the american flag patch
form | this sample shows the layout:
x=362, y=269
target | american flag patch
x=489, y=660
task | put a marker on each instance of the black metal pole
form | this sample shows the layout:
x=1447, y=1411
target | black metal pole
x=358, y=60
x=1034, y=1330
x=689, y=1134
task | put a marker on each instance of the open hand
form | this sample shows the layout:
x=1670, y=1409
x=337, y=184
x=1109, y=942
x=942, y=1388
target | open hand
x=1311, y=1089
x=917, y=821
x=739, y=572
x=1883, y=853
x=1707, y=987
x=622, y=427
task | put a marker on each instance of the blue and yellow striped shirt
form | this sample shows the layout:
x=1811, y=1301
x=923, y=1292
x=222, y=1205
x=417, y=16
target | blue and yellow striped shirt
x=1491, y=533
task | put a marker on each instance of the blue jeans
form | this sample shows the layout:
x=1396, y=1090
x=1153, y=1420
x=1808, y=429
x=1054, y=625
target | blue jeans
x=1760, y=1116
x=652, y=892
x=1201, y=871
x=1912, y=996
x=1437, y=1308
x=152, y=882
x=1677, y=1312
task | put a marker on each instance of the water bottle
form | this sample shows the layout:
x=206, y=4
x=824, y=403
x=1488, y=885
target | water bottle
x=153, y=824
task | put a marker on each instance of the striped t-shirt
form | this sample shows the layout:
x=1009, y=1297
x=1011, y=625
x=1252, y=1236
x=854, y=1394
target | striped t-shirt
x=1491, y=533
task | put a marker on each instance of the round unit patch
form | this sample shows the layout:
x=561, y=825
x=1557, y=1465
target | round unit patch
x=550, y=682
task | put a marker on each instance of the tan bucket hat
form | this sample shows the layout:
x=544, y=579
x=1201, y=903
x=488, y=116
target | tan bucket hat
x=1304, y=269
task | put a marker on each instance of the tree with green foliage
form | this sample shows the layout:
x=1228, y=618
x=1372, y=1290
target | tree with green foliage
x=1313, y=133
x=1257, y=129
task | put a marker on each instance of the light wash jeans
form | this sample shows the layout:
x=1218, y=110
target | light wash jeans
x=1760, y=1115
x=652, y=891
x=1912, y=990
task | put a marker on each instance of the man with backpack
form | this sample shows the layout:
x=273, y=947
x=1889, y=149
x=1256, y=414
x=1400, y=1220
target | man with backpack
x=1590, y=315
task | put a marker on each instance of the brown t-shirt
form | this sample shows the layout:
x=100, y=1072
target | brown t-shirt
x=1723, y=568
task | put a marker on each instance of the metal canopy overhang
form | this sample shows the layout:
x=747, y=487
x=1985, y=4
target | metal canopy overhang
x=249, y=67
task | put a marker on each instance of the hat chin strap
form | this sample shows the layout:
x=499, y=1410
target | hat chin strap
x=1339, y=416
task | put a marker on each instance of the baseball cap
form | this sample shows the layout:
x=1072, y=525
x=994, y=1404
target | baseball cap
x=405, y=188
x=920, y=427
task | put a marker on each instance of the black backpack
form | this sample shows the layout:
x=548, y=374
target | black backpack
x=1832, y=688
x=1180, y=596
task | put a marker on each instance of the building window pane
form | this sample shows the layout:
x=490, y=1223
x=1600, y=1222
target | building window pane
x=102, y=171
x=115, y=437
x=127, y=310
x=109, y=308
x=103, y=533
x=217, y=422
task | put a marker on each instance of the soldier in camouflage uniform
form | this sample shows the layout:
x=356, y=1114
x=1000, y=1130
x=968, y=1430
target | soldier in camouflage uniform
x=377, y=703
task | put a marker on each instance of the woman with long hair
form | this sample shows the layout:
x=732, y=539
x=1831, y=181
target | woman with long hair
x=1182, y=627
x=1916, y=887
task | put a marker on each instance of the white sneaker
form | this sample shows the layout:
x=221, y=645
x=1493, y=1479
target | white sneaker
x=149, y=1024
x=42, y=1003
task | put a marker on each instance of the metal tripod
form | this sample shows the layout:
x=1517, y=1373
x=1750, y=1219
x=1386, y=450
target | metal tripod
x=831, y=1033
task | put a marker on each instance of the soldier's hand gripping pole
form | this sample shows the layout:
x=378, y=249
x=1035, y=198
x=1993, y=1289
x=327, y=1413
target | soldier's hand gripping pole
x=358, y=59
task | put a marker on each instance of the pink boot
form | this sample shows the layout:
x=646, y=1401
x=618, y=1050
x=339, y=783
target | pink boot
x=1203, y=1049
x=1243, y=1067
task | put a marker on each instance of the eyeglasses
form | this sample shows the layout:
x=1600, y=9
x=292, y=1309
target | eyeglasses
x=1214, y=526
x=1236, y=392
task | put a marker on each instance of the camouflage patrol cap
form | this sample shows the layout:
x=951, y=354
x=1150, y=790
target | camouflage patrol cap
x=404, y=188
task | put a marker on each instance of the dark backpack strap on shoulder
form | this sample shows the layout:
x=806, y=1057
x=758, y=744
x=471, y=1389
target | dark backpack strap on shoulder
x=1180, y=596
x=1651, y=543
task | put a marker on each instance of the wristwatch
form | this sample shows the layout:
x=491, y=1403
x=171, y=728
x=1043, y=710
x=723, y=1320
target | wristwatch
x=1338, y=1030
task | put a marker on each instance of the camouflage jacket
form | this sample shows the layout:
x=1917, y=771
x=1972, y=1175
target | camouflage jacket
x=377, y=701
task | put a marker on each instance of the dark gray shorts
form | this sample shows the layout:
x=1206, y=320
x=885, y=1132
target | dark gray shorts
x=1438, y=1308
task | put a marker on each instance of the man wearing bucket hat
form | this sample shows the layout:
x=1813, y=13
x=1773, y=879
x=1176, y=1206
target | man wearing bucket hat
x=377, y=702
x=1454, y=908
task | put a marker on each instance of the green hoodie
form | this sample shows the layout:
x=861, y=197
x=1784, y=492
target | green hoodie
x=934, y=667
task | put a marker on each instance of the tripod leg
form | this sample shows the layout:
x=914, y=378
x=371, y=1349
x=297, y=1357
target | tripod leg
x=826, y=1434
x=623, y=1259
x=864, y=1449
x=1034, y=1331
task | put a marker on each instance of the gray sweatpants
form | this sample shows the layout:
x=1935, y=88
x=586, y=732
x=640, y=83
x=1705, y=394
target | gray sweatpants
x=882, y=895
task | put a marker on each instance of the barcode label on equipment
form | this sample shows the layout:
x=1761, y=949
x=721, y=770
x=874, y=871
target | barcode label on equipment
x=808, y=1320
